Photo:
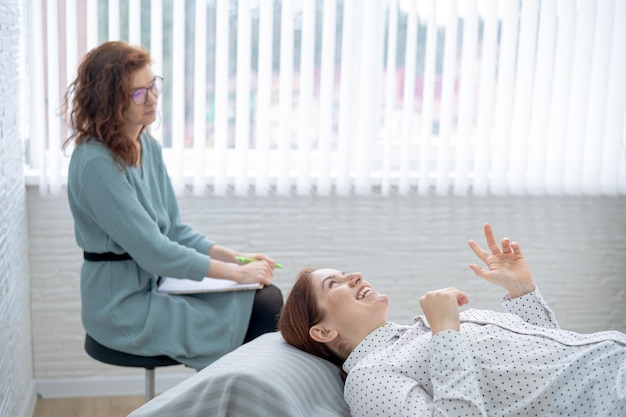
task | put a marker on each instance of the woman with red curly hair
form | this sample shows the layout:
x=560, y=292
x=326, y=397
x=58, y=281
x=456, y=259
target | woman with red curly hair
x=452, y=363
x=127, y=222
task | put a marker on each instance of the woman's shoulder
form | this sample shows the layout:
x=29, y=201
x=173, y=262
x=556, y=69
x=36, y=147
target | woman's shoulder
x=90, y=161
x=90, y=149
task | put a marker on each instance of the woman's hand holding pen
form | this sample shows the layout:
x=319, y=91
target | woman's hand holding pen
x=507, y=267
x=261, y=272
x=240, y=267
x=259, y=264
x=247, y=258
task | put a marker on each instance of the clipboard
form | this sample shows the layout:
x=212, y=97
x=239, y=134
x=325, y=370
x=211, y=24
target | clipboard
x=175, y=286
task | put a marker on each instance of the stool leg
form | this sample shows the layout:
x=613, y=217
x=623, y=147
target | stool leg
x=149, y=384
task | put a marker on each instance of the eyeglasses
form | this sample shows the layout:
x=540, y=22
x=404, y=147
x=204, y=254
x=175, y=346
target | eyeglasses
x=140, y=95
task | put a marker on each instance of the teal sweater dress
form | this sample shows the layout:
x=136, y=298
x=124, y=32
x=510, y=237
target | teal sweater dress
x=134, y=211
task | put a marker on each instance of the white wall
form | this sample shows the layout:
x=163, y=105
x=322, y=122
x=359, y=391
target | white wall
x=404, y=246
x=17, y=394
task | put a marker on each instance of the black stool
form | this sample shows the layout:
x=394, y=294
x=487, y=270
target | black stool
x=114, y=357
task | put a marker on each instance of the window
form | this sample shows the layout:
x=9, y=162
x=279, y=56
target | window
x=341, y=96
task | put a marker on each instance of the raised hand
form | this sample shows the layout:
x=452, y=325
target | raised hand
x=506, y=266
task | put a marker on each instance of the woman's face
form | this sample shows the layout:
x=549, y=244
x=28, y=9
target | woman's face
x=349, y=304
x=144, y=111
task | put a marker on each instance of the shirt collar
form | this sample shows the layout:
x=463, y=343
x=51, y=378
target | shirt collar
x=380, y=337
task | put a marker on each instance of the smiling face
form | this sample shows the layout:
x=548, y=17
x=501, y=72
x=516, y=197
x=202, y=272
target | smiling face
x=351, y=308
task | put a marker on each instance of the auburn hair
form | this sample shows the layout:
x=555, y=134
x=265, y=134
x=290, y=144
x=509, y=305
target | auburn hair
x=100, y=95
x=299, y=313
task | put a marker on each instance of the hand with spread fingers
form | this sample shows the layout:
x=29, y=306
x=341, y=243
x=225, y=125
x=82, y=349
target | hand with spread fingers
x=506, y=266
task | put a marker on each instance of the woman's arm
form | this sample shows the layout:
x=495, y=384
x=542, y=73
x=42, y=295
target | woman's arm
x=507, y=268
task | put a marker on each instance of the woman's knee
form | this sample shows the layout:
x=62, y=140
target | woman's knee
x=269, y=298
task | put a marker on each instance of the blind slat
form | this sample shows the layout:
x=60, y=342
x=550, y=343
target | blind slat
x=285, y=97
x=448, y=81
x=52, y=163
x=577, y=105
x=134, y=22
x=114, y=20
x=369, y=94
x=428, y=102
x=305, y=97
x=594, y=135
x=486, y=101
x=408, y=99
x=504, y=98
x=242, y=92
x=518, y=153
x=156, y=53
x=92, y=24
x=560, y=98
x=327, y=86
x=199, y=96
x=222, y=53
x=264, y=100
x=613, y=180
x=390, y=95
x=346, y=104
x=467, y=89
x=37, y=100
x=541, y=99
x=178, y=97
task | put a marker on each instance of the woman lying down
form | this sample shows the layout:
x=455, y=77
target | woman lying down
x=474, y=363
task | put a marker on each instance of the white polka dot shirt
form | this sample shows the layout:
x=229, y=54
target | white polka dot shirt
x=518, y=363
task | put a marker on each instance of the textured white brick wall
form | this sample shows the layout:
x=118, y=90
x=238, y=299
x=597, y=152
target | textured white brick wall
x=404, y=246
x=17, y=395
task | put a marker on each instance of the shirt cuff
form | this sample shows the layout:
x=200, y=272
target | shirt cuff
x=532, y=308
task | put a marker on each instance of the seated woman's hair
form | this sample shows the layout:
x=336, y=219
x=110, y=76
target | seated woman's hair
x=299, y=314
x=96, y=100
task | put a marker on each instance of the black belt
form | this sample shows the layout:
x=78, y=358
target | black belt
x=107, y=256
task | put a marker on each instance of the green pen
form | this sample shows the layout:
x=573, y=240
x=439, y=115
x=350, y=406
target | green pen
x=245, y=260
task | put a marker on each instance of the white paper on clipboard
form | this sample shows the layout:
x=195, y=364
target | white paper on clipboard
x=170, y=285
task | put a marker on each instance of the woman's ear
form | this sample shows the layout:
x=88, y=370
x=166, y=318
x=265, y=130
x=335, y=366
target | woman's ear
x=321, y=334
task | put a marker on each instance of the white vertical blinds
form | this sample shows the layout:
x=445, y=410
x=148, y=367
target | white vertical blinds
x=335, y=97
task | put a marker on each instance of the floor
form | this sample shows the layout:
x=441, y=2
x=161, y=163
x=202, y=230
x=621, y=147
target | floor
x=87, y=407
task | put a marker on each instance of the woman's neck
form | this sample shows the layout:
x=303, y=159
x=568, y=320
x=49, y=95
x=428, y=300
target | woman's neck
x=345, y=344
x=134, y=132
x=137, y=144
x=350, y=338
